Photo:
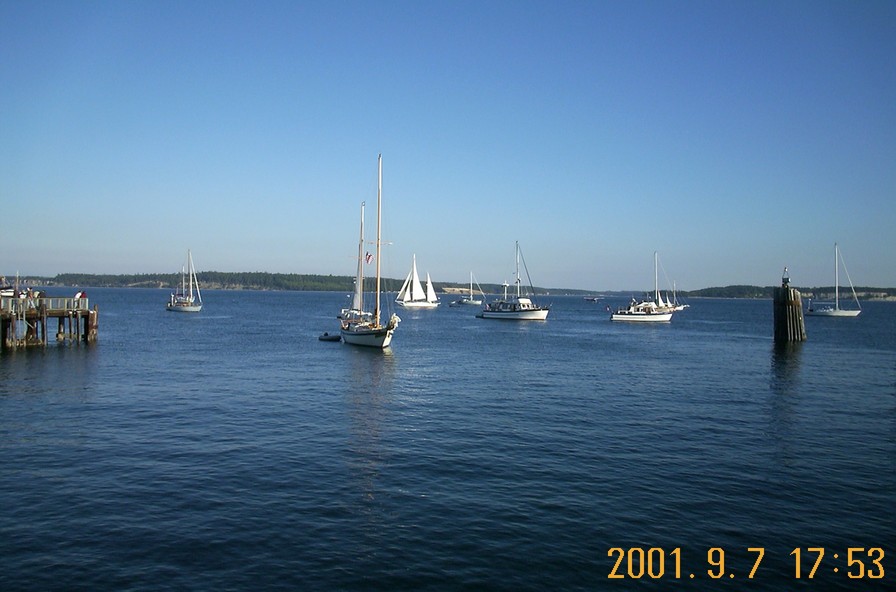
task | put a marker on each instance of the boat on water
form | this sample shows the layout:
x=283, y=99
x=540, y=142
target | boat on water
x=470, y=300
x=675, y=304
x=359, y=326
x=654, y=310
x=412, y=294
x=834, y=310
x=515, y=308
x=187, y=297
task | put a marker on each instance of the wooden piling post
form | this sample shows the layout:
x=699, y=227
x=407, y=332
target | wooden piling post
x=789, y=325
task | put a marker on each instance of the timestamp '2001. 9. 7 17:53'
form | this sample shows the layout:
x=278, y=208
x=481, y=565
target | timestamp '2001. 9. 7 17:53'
x=635, y=563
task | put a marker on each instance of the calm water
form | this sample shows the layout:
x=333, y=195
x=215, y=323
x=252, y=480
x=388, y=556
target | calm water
x=232, y=450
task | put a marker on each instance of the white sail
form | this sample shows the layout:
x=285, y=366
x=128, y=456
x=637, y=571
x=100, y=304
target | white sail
x=430, y=291
x=412, y=293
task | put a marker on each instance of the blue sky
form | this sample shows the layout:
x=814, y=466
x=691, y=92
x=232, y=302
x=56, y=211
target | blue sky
x=733, y=137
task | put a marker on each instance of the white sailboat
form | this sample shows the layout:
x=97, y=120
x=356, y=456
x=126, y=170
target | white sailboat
x=412, y=294
x=184, y=299
x=468, y=300
x=361, y=327
x=516, y=308
x=655, y=310
x=835, y=310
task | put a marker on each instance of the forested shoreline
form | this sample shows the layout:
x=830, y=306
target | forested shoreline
x=219, y=280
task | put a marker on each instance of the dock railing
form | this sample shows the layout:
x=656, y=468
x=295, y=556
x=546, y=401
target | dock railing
x=13, y=305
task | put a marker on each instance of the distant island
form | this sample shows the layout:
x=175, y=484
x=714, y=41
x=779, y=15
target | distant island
x=220, y=280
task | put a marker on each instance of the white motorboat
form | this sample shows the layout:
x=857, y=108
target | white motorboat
x=516, y=308
x=654, y=310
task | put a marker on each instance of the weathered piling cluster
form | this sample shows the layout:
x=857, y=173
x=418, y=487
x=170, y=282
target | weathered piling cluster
x=789, y=325
x=24, y=321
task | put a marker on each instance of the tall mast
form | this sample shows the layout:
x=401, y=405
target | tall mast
x=358, y=300
x=379, y=219
x=517, y=269
x=836, y=278
x=656, y=278
x=190, y=270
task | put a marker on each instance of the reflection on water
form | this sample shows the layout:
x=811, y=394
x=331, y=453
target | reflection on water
x=785, y=361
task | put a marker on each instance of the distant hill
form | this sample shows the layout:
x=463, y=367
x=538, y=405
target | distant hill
x=221, y=280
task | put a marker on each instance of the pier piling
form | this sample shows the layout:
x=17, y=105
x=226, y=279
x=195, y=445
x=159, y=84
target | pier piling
x=789, y=325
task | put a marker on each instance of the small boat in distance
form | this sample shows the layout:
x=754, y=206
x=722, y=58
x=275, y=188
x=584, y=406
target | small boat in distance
x=412, y=294
x=183, y=298
x=649, y=311
x=516, y=308
x=358, y=326
x=469, y=300
x=835, y=310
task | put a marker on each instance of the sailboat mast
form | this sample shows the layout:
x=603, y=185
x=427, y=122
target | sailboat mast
x=358, y=299
x=656, y=278
x=379, y=219
x=517, y=269
x=836, y=278
x=190, y=270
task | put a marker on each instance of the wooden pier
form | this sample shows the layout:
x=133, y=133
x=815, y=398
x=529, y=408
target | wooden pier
x=24, y=320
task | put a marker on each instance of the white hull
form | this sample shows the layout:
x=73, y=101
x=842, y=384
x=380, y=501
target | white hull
x=515, y=315
x=416, y=304
x=466, y=302
x=642, y=317
x=832, y=312
x=380, y=338
x=184, y=307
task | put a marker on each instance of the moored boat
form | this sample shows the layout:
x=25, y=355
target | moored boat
x=186, y=298
x=358, y=326
x=412, y=293
x=834, y=310
x=654, y=310
x=515, y=308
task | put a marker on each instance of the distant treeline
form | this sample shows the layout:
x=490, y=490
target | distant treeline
x=260, y=280
x=863, y=293
x=250, y=281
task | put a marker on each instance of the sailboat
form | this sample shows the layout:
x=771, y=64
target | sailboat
x=517, y=308
x=654, y=310
x=361, y=327
x=412, y=294
x=468, y=300
x=835, y=310
x=183, y=298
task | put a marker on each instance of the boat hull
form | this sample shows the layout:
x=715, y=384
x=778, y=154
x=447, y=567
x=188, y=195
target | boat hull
x=380, y=338
x=832, y=312
x=515, y=315
x=466, y=303
x=416, y=304
x=184, y=307
x=641, y=317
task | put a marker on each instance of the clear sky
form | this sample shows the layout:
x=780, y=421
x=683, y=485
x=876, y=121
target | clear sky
x=733, y=137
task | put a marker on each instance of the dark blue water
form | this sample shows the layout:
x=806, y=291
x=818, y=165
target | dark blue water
x=232, y=450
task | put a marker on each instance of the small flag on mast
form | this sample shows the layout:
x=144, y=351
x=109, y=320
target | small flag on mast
x=368, y=257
